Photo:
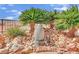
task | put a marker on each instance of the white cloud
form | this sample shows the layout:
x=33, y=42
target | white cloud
x=19, y=12
x=3, y=8
x=9, y=17
x=11, y=5
x=63, y=8
x=14, y=11
x=52, y=5
x=57, y=8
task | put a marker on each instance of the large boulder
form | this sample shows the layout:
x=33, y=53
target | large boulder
x=16, y=44
x=15, y=47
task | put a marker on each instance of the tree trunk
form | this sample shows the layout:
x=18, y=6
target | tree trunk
x=37, y=34
x=51, y=25
x=32, y=28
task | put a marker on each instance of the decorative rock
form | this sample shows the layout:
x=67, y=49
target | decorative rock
x=2, y=41
x=18, y=40
x=61, y=41
x=7, y=40
x=27, y=51
x=15, y=47
x=1, y=45
x=77, y=45
x=70, y=32
x=38, y=34
x=4, y=51
x=76, y=39
x=77, y=33
x=72, y=47
x=45, y=49
x=61, y=50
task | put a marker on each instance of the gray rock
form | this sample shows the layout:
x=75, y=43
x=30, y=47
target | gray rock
x=77, y=33
x=15, y=47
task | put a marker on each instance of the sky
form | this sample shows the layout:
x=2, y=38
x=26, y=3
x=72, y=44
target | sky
x=13, y=11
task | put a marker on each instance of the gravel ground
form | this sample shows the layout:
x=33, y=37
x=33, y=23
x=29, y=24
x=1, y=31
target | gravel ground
x=56, y=53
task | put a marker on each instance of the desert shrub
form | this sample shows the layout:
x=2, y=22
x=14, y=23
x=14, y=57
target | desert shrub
x=68, y=18
x=14, y=32
x=61, y=26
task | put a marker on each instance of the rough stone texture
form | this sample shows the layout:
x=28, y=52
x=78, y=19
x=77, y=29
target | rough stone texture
x=2, y=43
x=27, y=51
x=45, y=49
x=4, y=50
x=38, y=34
x=15, y=47
x=72, y=47
x=77, y=33
x=53, y=42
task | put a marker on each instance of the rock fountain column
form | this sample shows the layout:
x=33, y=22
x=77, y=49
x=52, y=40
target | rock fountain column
x=37, y=34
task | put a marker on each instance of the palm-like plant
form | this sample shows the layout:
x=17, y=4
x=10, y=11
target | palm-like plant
x=70, y=17
x=35, y=16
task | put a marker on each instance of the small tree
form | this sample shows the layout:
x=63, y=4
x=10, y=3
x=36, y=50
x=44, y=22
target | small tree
x=68, y=18
x=38, y=17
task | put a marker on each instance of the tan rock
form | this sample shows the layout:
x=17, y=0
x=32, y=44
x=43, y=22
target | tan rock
x=77, y=33
x=45, y=49
x=4, y=51
x=2, y=41
x=72, y=47
x=70, y=32
x=27, y=51
x=18, y=40
x=76, y=39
